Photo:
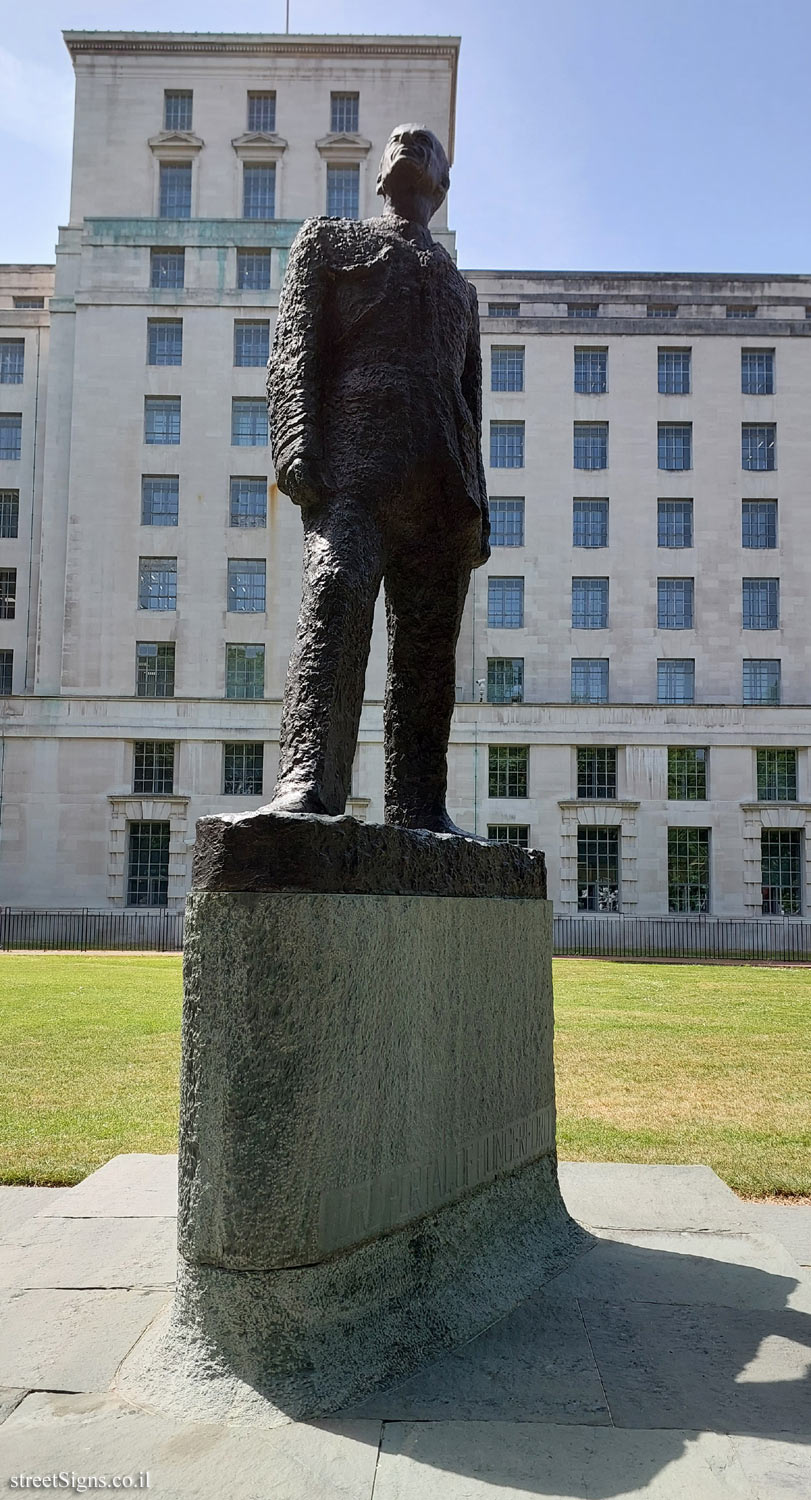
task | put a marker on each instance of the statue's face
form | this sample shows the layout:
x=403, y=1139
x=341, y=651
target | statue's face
x=414, y=163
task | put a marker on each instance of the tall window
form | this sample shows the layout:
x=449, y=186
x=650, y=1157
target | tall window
x=12, y=361
x=582, y=309
x=688, y=869
x=759, y=523
x=503, y=309
x=591, y=371
x=506, y=445
x=252, y=343
x=11, y=434
x=674, y=603
x=590, y=523
x=343, y=192
x=596, y=771
x=6, y=673
x=253, y=270
x=686, y=774
x=591, y=445
x=177, y=109
x=154, y=766
x=505, y=603
x=675, y=445
x=244, y=671
x=243, y=767
x=249, y=502
x=589, y=603
x=249, y=422
x=261, y=111
x=507, y=521
x=589, y=679
x=761, y=603
x=757, y=372
x=175, y=190
x=508, y=771
x=159, y=499
x=674, y=372
x=162, y=419
x=167, y=268
x=598, y=869
x=761, y=682
x=148, y=864
x=509, y=833
x=776, y=775
x=675, y=523
x=676, y=681
x=757, y=445
x=781, y=871
x=8, y=593
x=9, y=513
x=246, y=585
x=259, y=191
x=344, y=112
x=157, y=583
x=505, y=679
x=506, y=368
x=164, y=341
x=155, y=669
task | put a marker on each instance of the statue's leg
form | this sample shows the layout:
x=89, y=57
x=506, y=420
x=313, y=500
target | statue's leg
x=323, y=694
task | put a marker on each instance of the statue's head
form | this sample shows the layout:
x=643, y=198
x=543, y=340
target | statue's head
x=414, y=174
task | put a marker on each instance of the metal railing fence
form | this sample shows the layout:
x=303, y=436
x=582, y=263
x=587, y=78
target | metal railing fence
x=83, y=931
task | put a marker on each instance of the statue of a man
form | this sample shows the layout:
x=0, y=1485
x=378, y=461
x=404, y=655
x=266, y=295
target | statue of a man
x=374, y=391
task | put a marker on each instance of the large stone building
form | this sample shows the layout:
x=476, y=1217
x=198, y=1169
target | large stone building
x=633, y=665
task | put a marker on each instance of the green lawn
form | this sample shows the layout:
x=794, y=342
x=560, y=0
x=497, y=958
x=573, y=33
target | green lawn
x=655, y=1063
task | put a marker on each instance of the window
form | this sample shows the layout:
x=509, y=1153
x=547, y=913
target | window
x=781, y=871
x=506, y=368
x=162, y=419
x=159, y=499
x=175, y=190
x=253, y=270
x=154, y=766
x=259, y=191
x=589, y=679
x=674, y=372
x=761, y=603
x=598, y=869
x=688, y=869
x=249, y=502
x=675, y=523
x=590, y=523
x=12, y=361
x=9, y=513
x=344, y=112
x=505, y=603
x=662, y=310
x=674, y=603
x=776, y=775
x=148, y=864
x=686, y=774
x=591, y=371
x=596, y=771
x=508, y=771
x=243, y=766
x=509, y=833
x=249, y=422
x=343, y=192
x=252, y=343
x=261, y=111
x=506, y=445
x=167, y=268
x=676, y=681
x=507, y=522
x=759, y=523
x=675, y=445
x=591, y=445
x=29, y=302
x=741, y=312
x=761, y=682
x=164, y=341
x=757, y=445
x=11, y=434
x=589, y=603
x=505, y=679
x=157, y=583
x=6, y=673
x=503, y=309
x=244, y=671
x=582, y=309
x=155, y=669
x=246, y=585
x=757, y=372
x=177, y=109
x=8, y=593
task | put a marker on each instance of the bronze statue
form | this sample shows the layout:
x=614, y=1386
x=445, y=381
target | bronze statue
x=374, y=392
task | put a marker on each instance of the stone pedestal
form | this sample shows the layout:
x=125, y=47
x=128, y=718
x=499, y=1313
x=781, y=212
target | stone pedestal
x=367, y=1167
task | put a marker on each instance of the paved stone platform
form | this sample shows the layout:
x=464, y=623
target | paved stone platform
x=671, y=1361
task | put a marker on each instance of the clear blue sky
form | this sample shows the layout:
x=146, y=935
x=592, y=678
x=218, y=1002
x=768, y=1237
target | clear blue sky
x=592, y=134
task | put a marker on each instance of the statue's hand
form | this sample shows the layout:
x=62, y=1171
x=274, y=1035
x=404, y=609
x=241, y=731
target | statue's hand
x=302, y=481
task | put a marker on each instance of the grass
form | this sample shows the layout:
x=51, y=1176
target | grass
x=655, y=1063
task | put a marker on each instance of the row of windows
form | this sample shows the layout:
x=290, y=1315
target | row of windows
x=776, y=773
x=654, y=310
x=164, y=342
x=247, y=589
x=249, y=421
x=160, y=500
x=675, y=680
x=261, y=110
x=591, y=371
x=154, y=768
x=675, y=603
x=674, y=445
x=258, y=190
x=155, y=670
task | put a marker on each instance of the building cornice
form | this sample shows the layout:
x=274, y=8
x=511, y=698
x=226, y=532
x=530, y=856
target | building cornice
x=149, y=42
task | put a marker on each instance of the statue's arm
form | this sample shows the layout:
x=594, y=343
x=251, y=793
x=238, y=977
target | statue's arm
x=294, y=381
x=472, y=391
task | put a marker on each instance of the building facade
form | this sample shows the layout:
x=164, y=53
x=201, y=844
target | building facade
x=633, y=664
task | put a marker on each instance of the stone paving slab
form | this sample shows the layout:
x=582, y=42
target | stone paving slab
x=618, y=1195
x=9, y=1399
x=18, y=1204
x=49, y=1252
x=70, y=1340
x=135, y=1185
x=789, y=1223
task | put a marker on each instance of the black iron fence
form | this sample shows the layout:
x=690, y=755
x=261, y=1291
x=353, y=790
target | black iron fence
x=84, y=931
